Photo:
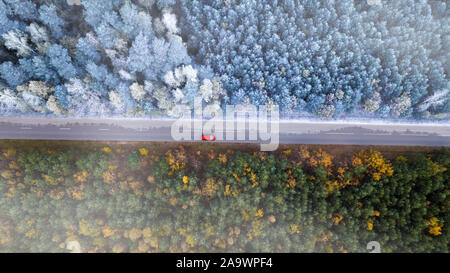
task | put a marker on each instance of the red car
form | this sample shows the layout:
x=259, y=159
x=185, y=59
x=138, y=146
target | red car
x=208, y=137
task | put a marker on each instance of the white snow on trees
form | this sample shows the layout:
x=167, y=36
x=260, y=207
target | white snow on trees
x=17, y=40
x=137, y=91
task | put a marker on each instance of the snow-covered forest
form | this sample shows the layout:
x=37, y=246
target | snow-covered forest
x=330, y=59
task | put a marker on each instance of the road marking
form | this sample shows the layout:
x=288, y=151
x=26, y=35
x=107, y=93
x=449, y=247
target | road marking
x=26, y=128
x=339, y=133
x=412, y=135
x=377, y=134
x=64, y=128
x=103, y=129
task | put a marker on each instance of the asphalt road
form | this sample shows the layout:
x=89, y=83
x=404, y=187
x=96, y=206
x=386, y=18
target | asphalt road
x=306, y=133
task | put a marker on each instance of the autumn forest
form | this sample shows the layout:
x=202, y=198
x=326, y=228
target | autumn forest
x=162, y=197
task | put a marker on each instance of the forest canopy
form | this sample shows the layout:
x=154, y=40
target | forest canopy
x=326, y=59
x=196, y=198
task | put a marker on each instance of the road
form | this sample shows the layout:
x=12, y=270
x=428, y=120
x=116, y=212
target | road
x=160, y=130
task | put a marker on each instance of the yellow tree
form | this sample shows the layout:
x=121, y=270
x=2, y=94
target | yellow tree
x=434, y=227
x=376, y=165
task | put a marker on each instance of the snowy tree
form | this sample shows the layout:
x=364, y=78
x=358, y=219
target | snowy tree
x=212, y=110
x=190, y=73
x=148, y=86
x=25, y=9
x=437, y=99
x=53, y=105
x=384, y=111
x=206, y=90
x=116, y=101
x=74, y=2
x=49, y=16
x=82, y=101
x=162, y=4
x=340, y=94
x=14, y=75
x=92, y=39
x=137, y=91
x=140, y=54
x=39, y=37
x=123, y=89
x=61, y=96
x=170, y=79
x=148, y=107
x=400, y=105
x=178, y=95
x=147, y=3
x=135, y=21
x=106, y=34
x=125, y=75
x=129, y=15
x=87, y=51
x=162, y=97
x=170, y=22
x=94, y=10
x=5, y=23
x=183, y=86
x=61, y=61
x=180, y=76
x=17, y=40
x=158, y=27
x=10, y=102
x=371, y=105
x=326, y=111
x=374, y=2
x=217, y=92
x=177, y=52
x=97, y=72
x=34, y=101
x=121, y=45
x=38, y=68
x=38, y=88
